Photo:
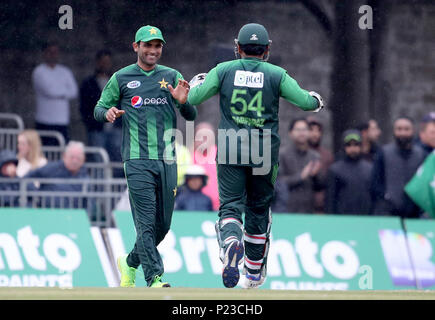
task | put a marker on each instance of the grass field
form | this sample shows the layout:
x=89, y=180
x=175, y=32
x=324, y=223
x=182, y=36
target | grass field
x=203, y=294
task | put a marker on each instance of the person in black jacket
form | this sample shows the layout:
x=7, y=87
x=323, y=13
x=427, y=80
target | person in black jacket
x=90, y=92
x=394, y=165
x=348, y=182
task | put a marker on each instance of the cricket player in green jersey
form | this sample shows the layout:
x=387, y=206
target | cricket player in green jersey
x=249, y=90
x=147, y=95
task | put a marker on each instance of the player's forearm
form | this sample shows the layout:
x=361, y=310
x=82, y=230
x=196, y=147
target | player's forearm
x=188, y=111
x=109, y=98
x=292, y=92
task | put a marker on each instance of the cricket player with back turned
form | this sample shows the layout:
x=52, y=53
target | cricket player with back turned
x=147, y=95
x=249, y=90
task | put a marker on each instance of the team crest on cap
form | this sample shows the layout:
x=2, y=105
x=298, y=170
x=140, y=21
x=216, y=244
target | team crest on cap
x=254, y=37
x=136, y=102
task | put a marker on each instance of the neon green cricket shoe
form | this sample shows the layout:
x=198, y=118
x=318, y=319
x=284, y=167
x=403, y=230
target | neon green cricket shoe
x=128, y=274
x=157, y=283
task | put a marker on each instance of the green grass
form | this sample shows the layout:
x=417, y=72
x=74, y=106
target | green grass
x=203, y=294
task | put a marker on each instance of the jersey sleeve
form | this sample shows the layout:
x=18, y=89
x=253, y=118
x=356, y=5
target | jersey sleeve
x=208, y=89
x=293, y=93
x=109, y=98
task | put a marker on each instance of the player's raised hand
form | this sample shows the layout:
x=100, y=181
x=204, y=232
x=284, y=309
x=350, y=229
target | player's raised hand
x=181, y=91
x=113, y=114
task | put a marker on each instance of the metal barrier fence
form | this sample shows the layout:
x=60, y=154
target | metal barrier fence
x=97, y=197
x=7, y=118
x=9, y=137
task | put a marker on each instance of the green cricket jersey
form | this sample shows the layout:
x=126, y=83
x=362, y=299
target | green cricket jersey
x=149, y=110
x=249, y=90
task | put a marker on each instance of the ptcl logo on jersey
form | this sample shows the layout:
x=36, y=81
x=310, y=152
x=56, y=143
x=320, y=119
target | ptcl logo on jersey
x=136, y=102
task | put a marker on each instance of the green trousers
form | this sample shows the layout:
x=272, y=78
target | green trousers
x=240, y=191
x=152, y=187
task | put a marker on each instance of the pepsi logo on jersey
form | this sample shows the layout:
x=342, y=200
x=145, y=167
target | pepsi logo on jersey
x=137, y=101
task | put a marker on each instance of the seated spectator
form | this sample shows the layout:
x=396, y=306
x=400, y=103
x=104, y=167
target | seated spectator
x=348, y=183
x=190, y=196
x=70, y=167
x=8, y=169
x=29, y=155
x=426, y=133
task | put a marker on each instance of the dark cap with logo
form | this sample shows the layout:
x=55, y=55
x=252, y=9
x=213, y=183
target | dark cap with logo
x=253, y=33
x=351, y=135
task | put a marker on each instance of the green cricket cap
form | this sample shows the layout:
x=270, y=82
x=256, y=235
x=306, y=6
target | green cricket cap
x=253, y=33
x=148, y=33
x=351, y=135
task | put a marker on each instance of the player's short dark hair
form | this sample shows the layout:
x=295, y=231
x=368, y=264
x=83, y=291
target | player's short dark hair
x=102, y=53
x=253, y=49
x=294, y=121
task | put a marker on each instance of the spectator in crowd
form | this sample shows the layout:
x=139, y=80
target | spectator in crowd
x=90, y=92
x=348, y=183
x=71, y=166
x=300, y=169
x=326, y=158
x=370, y=134
x=204, y=155
x=54, y=87
x=394, y=165
x=30, y=156
x=426, y=134
x=8, y=169
x=190, y=196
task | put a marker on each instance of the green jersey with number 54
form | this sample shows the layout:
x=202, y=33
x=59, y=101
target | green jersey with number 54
x=250, y=90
